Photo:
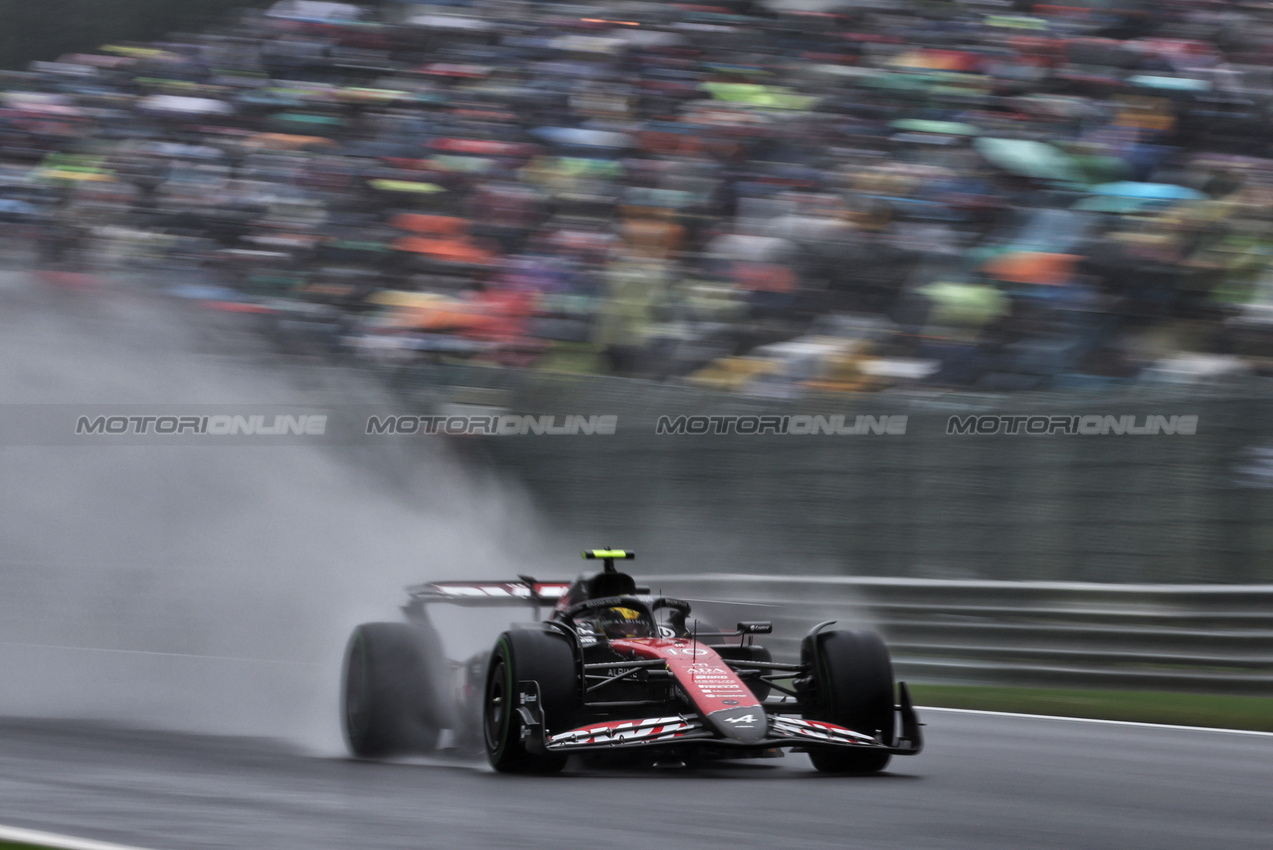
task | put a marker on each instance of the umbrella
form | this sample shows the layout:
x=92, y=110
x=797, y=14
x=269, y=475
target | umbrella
x=948, y=128
x=17, y=209
x=185, y=105
x=372, y=95
x=899, y=83
x=1028, y=158
x=429, y=310
x=308, y=118
x=95, y=60
x=41, y=104
x=576, y=166
x=174, y=149
x=1149, y=191
x=1101, y=169
x=402, y=298
x=77, y=175
x=1016, y=22
x=648, y=37
x=452, y=249
x=1151, y=81
x=270, y=97
x=1114, y=204
x=440, y=225
x=1032, y=267
x=454, y=69
x=287, y=141
x=925, y=139
x=204, y=292
x=315, y=11
x=934, y=60
x=583, y=138
x=587, y=44
x=449, y=22
x=463, y=164
x=409, y=186
x=138, y=52
x=481, y=147
x=1057, y=106
x=754, y=94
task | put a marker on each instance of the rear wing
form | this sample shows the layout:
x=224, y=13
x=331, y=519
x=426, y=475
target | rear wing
x=488, y=594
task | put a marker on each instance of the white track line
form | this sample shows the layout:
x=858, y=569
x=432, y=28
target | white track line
x=52, y=839
x=1096, y=720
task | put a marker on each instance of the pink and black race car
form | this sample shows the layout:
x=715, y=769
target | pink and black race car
x=617, y=671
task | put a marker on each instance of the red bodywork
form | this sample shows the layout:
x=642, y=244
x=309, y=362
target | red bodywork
x=725, y=708
x=708, y=681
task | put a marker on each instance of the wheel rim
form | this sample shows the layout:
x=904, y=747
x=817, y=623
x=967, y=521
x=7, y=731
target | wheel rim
x=496, y=706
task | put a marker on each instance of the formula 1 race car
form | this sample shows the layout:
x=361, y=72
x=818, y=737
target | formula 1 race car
x=615, y=670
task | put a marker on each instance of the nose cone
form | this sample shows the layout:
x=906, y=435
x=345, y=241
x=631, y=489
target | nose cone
x=740, y=724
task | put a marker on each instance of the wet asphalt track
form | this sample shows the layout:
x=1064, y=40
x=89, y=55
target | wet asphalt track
x=984, y=782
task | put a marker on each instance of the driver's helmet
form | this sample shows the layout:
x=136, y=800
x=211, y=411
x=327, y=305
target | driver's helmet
x=618, y=621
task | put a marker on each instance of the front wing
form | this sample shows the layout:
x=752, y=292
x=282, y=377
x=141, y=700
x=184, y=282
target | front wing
x=687, y=730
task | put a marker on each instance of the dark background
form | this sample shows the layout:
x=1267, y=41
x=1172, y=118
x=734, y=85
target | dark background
x=46, y=29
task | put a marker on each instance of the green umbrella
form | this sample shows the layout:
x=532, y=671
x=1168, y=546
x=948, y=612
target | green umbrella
x=1016, y=22
x=754, y=94
x=464, y=164
x=405, y=186
x=309, y=118
x=946, y=128
x=899, y=82
x=1101, y=169
x=1027, y=158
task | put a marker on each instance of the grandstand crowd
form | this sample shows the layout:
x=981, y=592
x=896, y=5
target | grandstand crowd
x=763, y=197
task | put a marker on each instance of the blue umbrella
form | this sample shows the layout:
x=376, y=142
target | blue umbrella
x=1151, y=81
x=1149, y=191
x=1116, y=204
x=17, y=208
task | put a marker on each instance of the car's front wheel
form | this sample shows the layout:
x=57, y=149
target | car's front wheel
x=546, y=658
x=854, y=689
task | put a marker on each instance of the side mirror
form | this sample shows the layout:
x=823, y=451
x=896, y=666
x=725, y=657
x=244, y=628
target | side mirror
x=756, y=628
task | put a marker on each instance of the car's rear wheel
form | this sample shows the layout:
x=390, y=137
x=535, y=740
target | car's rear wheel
x=393, y=699
x=854, y=678
x=548, y=659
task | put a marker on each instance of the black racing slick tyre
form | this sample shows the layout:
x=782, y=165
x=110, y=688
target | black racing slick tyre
x=394, y=692
x=528, y=655
x=854, y=677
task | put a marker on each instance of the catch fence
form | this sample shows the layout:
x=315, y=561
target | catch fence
x=1133, y=508
x=1183, y=638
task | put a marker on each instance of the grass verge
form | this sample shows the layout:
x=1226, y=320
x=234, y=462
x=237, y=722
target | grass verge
x=1225, y=712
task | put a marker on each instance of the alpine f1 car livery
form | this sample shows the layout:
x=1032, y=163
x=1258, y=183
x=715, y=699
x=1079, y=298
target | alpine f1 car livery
x=616, y=670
